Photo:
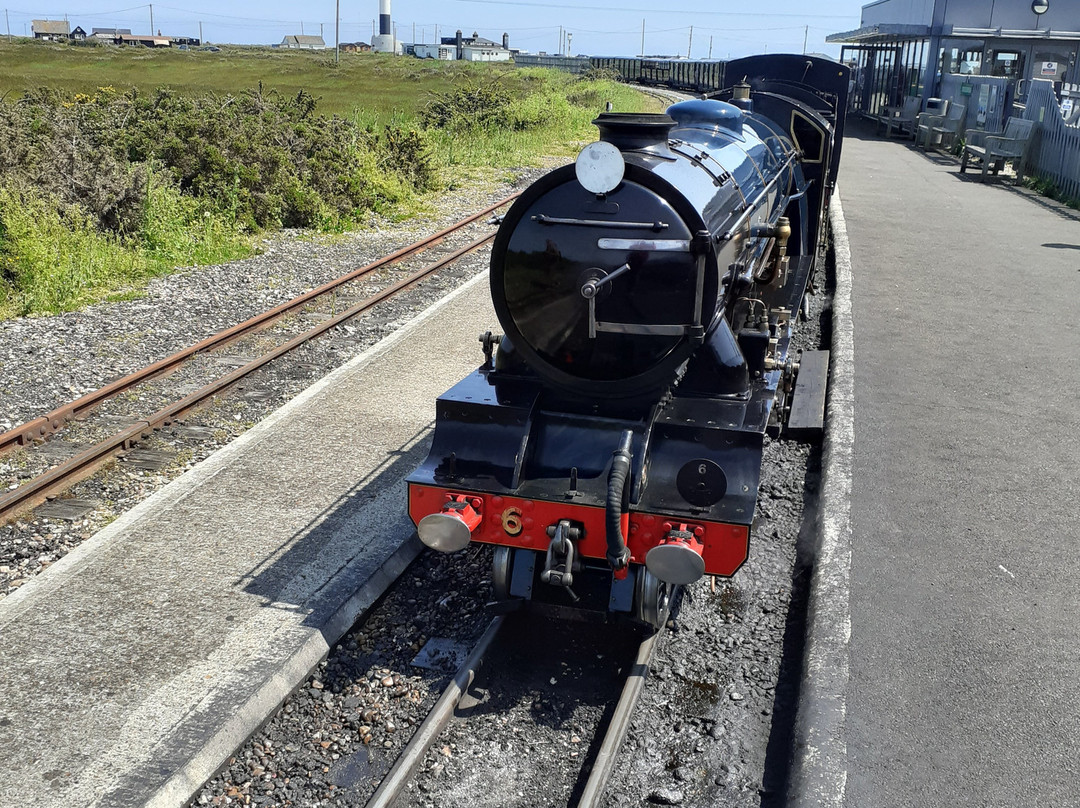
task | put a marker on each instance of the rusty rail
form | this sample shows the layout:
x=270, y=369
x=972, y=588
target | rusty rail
x=81, y=465
x=47, y=424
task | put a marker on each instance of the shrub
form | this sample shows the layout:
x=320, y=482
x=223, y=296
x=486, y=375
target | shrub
x=467, y=108
x=259, y=159
x=54, y=257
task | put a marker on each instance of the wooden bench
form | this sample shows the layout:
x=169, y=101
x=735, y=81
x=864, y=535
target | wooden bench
x=941, y=129
x=994, y=150
x=900, y=118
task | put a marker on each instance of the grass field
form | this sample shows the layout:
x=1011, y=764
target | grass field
x=380, y=84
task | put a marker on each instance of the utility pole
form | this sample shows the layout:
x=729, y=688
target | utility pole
x=151, y=19
x=569, y=39
x=806, y=33
x=690, y=47
x=710, y=46
x=643, y=37
x=337, y=32
x=200, y=33
x=414, y=33
x=301, y=27
x=6, y=20
x=320, y=30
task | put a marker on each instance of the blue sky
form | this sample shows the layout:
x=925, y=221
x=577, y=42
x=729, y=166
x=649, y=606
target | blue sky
x=597, y=27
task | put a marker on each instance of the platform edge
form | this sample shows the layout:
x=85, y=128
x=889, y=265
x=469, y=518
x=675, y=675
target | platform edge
x=818, y=775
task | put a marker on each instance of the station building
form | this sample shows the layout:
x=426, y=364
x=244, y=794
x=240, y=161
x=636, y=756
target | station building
x=984, y=51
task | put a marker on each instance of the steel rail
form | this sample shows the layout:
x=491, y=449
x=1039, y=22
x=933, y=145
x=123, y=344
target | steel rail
x=428, y=731
x=608, y=756
x=82, y=464
x=51, y=422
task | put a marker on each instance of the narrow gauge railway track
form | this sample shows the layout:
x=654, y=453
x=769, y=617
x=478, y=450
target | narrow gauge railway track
x=598, y=766
x=34, y=433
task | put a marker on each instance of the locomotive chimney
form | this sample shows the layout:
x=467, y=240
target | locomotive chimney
x=635, y=131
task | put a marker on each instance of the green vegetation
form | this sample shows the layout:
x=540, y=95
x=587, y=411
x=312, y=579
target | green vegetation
x=119, y=164
x=1050, y=190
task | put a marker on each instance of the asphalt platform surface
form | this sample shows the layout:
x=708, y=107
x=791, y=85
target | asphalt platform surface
x=953, y=677
x=140, y=661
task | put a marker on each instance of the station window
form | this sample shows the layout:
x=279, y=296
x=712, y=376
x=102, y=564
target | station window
x=1008, y=64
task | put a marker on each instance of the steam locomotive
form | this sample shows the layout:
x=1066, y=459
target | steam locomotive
x=610, y=444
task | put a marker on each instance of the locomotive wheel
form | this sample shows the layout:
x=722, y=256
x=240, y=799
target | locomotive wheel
x=501, y=568
x=652, y=598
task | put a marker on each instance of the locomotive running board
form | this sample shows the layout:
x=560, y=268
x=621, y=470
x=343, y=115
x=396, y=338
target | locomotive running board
x=806, y=421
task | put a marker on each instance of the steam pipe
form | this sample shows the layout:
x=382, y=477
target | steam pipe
x=618, y=496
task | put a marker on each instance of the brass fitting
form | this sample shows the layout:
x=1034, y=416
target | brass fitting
x=783, y=233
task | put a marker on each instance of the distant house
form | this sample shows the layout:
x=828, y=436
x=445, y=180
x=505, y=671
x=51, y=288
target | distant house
x=109, y=34
x=304, y=42
x=444, y=52
x=484, y=53
x=145, y=41
x=354, y=47
x=476, y=48
x=55, y=30
x=78, y=34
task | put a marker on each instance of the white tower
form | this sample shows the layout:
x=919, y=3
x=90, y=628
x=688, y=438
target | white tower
x=384, y=42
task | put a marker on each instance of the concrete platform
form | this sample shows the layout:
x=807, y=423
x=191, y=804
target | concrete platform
x=136, y=664
x=942, y=658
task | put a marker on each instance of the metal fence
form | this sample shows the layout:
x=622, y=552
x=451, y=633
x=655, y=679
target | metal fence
x=571, y=64
x=1056, y=153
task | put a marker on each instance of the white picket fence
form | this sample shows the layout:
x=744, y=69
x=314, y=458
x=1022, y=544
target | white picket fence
x=1055, y=155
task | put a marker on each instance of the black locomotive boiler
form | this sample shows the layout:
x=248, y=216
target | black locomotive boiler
x=610, y=445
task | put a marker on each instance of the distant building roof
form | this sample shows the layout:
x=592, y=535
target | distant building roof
x=109, y=31
x=156, y=41
x=475, y=39
x=302, y=39
x=882, y=32
x=58, y=27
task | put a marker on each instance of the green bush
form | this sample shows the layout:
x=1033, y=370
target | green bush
x=601, y=74
x=260, y=159
x=54, y=256
x=464, y=109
